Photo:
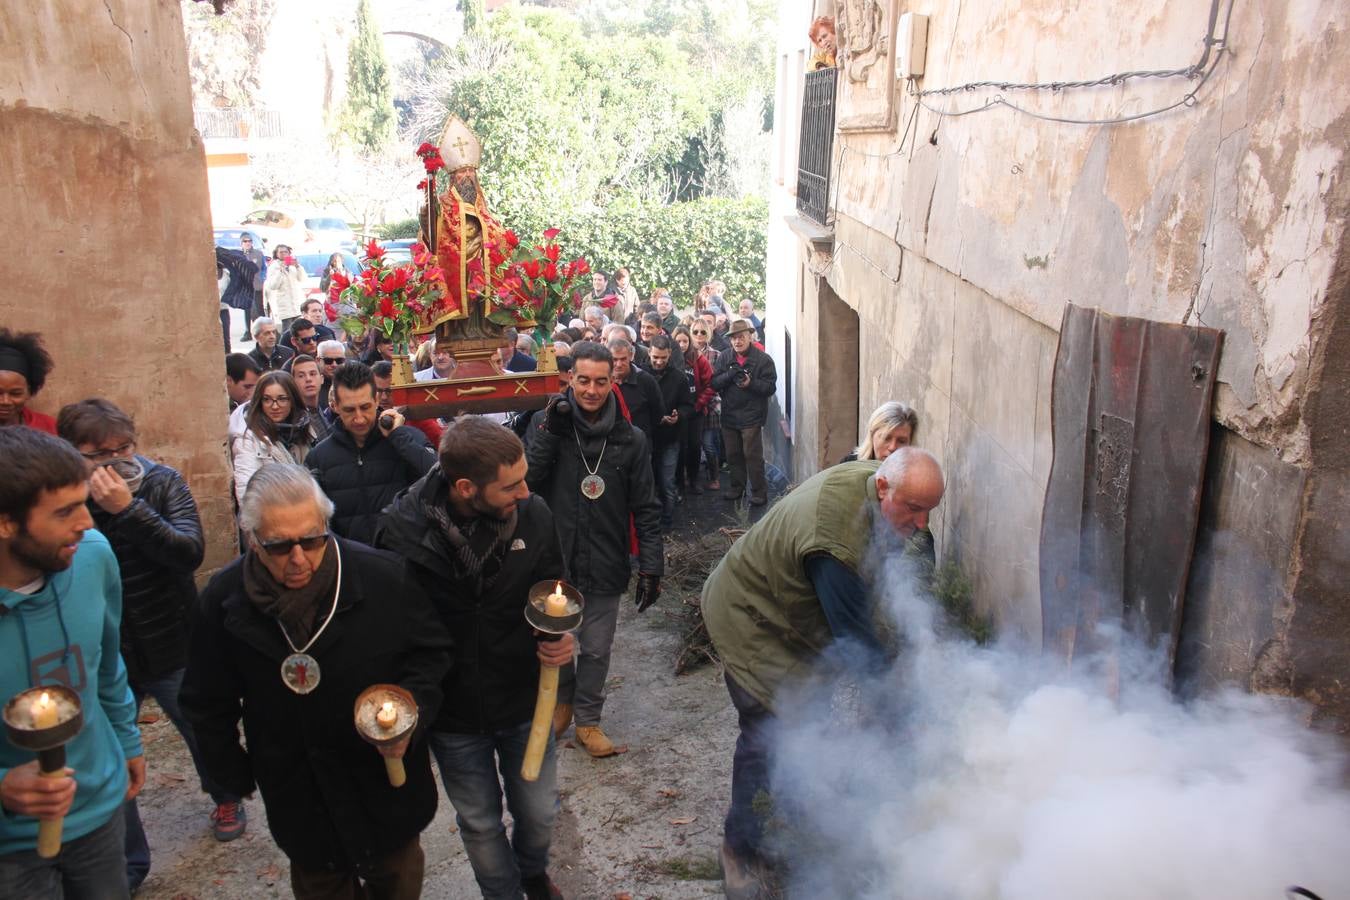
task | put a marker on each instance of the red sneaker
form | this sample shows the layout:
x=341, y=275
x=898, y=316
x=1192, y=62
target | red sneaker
x=229, y=820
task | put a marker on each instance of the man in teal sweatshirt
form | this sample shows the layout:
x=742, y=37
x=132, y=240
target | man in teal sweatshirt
x=60, y=607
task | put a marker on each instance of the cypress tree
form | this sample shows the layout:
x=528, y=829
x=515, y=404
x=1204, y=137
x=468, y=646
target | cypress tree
x=475, y=15
x=369, y=117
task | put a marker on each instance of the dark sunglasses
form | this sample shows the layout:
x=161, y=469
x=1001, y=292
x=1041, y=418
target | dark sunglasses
x=283, y=547
x=333, y=360
x=307, y=340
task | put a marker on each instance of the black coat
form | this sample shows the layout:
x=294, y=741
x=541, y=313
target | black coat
x=276, y=362
x=677, y=393
x=329, y=802
x=494, y=680
x=362, y=481
x=239, y=292
x=595, y=533
x=643, y=398
x=158, y=543
x=745, y=407
x=321, y=333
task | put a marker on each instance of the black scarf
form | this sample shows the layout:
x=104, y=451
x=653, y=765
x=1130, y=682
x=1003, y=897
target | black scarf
x=478, y=545
x=297, y=610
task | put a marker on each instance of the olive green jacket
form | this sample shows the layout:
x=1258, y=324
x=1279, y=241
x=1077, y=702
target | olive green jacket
x=759, y=604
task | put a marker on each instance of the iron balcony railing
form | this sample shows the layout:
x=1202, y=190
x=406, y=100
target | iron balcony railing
x=238, y=122
x=817, y=142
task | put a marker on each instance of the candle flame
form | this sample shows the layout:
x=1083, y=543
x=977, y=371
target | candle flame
x=557, y=588
x=45, y=700
x=388, y=706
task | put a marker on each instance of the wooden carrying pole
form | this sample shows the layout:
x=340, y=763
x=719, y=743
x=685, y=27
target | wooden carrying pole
x=544, y=705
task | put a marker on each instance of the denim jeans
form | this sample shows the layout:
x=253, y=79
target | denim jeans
x=712, y=451
x=469, y=765
x=91, y=867
x=582, y=683
x=165, y=691
x=667, y=456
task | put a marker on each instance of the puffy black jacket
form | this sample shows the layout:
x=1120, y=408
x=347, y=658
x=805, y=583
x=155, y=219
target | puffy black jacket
x=677, y=393
x=494, y=679
x=158, y=543
x=328, y=799
x=745, y=407
x=362, y=481
x=595, y=533
x=276, y=361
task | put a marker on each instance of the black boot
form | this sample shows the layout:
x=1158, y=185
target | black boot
x=540, y=887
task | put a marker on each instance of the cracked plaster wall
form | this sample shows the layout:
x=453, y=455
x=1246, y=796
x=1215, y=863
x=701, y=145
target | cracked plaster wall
x=1217, y=214
x=107, y=220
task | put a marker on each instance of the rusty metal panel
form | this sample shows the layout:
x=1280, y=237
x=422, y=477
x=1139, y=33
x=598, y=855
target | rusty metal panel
x=1130, y=418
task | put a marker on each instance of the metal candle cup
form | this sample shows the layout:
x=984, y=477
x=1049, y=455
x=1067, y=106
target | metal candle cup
x=49, y=743
x=369, y=709
x=547, y=701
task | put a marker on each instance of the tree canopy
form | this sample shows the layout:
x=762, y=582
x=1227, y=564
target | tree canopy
x=368, y=119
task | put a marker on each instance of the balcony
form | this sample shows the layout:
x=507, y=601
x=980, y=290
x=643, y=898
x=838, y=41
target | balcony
x=817, y=143
x=238, y=123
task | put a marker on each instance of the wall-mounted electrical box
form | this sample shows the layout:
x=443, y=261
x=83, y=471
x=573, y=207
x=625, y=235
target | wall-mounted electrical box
x=911, y=41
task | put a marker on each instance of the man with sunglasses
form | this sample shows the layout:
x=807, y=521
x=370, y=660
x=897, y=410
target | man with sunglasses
x=286, y=638
x=60, y=607
x=148, y=515
x=259, y=259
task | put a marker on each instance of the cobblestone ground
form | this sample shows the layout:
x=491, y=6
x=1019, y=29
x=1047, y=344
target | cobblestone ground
x=645, y=824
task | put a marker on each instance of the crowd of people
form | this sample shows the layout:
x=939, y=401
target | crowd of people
x=375, y=549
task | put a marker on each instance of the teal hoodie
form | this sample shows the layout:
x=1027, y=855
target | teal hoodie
x=87, y=597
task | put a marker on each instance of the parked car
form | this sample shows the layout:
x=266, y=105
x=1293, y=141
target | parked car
x=229, y=236
x=399, y=250
x=313, y=264
x=303, y=230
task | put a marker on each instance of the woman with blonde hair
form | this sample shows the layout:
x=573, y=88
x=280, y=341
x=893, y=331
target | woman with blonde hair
x=892, y=425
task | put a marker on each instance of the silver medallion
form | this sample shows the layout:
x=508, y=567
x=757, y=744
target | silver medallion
x=592, y=486
x=300, y=672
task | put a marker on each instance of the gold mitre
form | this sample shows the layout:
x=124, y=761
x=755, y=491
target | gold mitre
x=460, y=147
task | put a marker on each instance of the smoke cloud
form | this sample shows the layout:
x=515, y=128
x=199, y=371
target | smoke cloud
x=973, y=773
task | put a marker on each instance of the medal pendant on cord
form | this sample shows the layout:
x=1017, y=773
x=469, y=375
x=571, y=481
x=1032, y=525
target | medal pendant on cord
x=592, y=486
x=300, y=672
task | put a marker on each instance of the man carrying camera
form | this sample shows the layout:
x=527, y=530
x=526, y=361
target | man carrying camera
x=746, y=378
x=368, y=457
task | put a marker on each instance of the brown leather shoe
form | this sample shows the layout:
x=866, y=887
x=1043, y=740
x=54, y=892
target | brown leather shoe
x=562, y=719
x=595, y=741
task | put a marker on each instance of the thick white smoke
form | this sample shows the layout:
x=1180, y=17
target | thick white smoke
x=976, y=773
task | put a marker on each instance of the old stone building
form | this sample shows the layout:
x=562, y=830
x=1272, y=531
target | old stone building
x=107, y=229
x=923, y=247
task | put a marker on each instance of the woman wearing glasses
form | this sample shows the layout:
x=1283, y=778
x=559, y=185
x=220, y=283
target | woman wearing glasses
x=276, y=429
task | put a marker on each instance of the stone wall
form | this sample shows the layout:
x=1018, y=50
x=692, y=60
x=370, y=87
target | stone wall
x=958, y=240
x=109, y=230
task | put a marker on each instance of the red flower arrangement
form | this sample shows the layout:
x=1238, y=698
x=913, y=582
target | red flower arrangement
x=431, y=159
x=531, y=283
x=392, y=299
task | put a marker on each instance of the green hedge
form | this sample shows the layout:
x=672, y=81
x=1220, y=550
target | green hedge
x=676, y=246
x=679, y=245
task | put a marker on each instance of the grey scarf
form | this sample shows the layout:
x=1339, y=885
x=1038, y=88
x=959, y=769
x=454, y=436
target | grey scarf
x=476, y=543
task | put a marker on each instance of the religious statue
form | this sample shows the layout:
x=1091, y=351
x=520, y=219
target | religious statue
x=823, y=39
x=468, y=244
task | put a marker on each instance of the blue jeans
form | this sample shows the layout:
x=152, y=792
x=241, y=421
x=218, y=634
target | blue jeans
x=712, y=451
x=469, y=765
x=88, y=868
x=165, y=691
x=667, y=457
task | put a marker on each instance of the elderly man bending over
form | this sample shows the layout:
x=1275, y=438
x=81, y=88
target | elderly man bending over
x=788, y=589
x=286, y=638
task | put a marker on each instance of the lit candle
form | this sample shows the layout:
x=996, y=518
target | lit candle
x=43, y=712
x=556, y=604
x=387, y=717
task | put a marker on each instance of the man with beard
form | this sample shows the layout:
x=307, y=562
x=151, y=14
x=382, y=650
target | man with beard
x=285, y=639
x=785, y=592
x=477, y=540
x=368, y=457
x=594, y=469
x=60, y=607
